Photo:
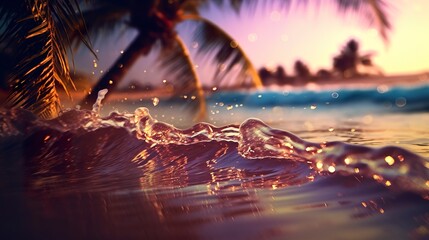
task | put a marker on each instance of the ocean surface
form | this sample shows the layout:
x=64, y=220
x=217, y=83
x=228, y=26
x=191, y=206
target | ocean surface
x=266, y=164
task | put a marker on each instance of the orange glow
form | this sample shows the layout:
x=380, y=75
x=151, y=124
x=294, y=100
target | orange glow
x=316, y=35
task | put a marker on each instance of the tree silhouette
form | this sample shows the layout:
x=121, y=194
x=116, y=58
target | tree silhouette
x=349, y=59
x=301, y=70
x=280, y=75
x=265, y=75
x=39, y=32
x=156, y=21
x=35, y=33
x=323, y=74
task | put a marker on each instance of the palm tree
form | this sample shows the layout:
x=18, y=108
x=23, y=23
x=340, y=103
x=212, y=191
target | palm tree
x=301, y=70
x=35, y=33
x=350, y=58
x=155, y=22
x=281, y=75
x=265, y=75
x=38, y=32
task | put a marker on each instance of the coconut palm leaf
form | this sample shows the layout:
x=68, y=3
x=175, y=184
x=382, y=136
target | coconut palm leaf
x=225, y=50
x=176, y=60
x=372, y=11
x=37, y=30
x=104, y=17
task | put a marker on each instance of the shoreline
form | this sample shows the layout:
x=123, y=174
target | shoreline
x=406, y=80
x=409, y=80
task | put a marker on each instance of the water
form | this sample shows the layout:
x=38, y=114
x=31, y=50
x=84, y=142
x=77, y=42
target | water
x=312, y=168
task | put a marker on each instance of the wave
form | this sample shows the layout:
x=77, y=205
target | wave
x=82, y=149
x=396, y=98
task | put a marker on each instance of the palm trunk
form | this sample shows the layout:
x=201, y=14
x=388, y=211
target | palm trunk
x=140, y=46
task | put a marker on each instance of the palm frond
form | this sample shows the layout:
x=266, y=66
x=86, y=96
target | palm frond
x=224, y=51
x=176, y=61
x=102, y=17
x=251, y=6
x=38, y=31
x=380, y=16
x=372, y=11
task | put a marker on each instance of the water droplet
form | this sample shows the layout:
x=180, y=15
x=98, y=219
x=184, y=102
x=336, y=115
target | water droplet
x=110, y=82
x=388, y=183
x=229, y=107
x=331, y=129
x=319, y=165
x=377, y=177
x=252, y=37
x=382, y=88
x=347, y=160
x=193, y=97
x=259, y=96
x=221, y=104
x=389, y=160
x=312, y=107
x=214, y=89
x=401, y=102
x=122, y=52
x=155, y=101
x=164, y=81
x=233, y=44
x=331, y=169
x=335, y=95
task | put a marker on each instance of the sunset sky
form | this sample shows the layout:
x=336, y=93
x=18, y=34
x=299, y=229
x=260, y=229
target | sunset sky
x=272, y=37
x=315, y=36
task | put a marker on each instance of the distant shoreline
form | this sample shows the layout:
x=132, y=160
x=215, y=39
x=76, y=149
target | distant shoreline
x=325, y=84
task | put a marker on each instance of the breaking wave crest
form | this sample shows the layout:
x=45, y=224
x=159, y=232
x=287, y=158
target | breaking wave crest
x=81, y=147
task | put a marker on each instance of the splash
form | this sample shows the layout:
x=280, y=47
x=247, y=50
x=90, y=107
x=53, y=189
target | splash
x=393, y=167
x=97, y=105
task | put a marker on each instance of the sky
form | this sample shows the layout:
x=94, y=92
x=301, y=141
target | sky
x=271, y=37
x=315, y=36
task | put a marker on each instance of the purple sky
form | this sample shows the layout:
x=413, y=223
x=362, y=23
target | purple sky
x=271, y=37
